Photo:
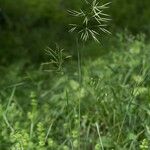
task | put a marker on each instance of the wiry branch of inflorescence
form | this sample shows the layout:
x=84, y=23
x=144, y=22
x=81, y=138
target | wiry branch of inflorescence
x=93, y=21
x=57, y=58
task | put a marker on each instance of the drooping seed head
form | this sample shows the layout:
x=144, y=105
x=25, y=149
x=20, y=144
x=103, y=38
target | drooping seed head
x=91, y=21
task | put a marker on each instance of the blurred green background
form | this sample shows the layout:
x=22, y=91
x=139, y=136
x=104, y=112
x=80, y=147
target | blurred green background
x=28, y=26
x=115, y=88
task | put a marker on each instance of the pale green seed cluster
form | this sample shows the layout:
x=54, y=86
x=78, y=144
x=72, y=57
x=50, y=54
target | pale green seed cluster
x=144, y=145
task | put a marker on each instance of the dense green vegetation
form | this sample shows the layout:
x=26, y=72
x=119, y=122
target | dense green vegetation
x=54, y=99
x=28, y=26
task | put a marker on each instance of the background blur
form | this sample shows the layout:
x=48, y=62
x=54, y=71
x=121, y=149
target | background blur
x=105, y=106
x=28, y=26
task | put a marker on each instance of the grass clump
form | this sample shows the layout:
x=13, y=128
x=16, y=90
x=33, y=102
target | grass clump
x=42, y=112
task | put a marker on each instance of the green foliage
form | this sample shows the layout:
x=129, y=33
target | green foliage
x=40, y=111
x=131, y=14
x=27, y=26
x=144, y=145
x=107, y=109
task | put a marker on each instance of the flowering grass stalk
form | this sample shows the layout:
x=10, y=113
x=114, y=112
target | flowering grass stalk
x=91, y=21
x=89, y=25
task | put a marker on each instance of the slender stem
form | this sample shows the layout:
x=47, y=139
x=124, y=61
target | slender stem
x=100, y=139
x=80, y=82
x=79, y=62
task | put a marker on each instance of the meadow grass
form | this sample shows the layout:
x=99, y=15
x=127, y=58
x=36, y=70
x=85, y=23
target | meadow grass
x=40, y=110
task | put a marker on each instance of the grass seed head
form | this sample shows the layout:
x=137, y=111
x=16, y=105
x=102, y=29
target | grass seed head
x=91, y=21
